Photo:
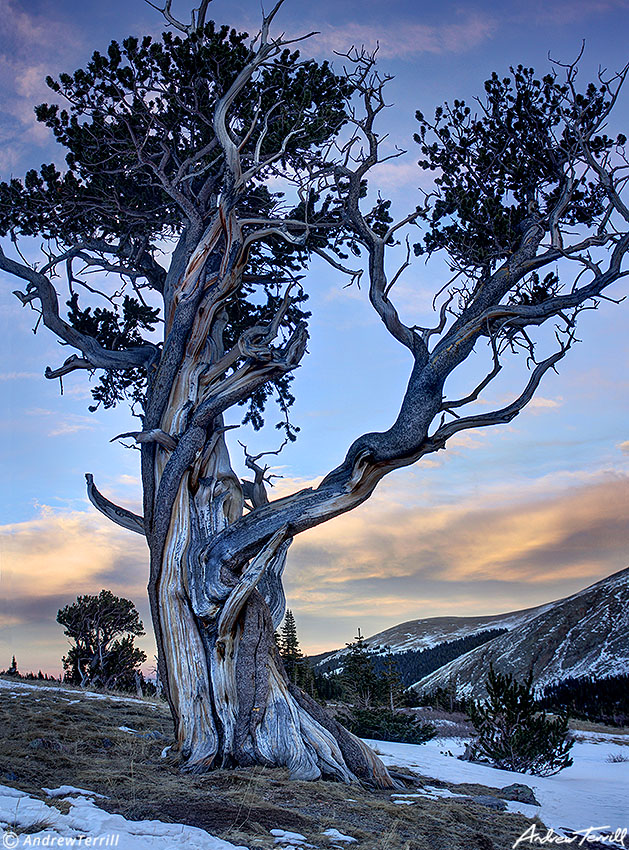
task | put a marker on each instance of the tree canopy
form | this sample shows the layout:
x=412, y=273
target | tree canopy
x=102, y=629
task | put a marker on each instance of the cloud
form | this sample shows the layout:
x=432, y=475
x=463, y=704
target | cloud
x=18, y=376
x=33, y=45
x=397, y=557
x=538, y=403
x=385, y=559
x=624, y=447
x=406, y=39
x=67, y=423
x=49, y=560
x=69, y=552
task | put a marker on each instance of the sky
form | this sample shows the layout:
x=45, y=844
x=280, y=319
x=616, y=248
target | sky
x=504, y=519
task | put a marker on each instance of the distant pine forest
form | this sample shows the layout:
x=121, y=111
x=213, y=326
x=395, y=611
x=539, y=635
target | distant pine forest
x=413, y=665
x=597, y=700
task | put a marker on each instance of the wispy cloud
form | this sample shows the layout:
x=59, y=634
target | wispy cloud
x=407, y=38
x=65, y=423
x=538, y=542
x=46, y=562
x=391, y=560
x=34, y=44
x=18, y=376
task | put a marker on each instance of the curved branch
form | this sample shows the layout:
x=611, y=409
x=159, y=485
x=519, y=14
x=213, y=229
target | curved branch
x=505, y=414
x=41, y=289
x=156, y=435
x=247, y=584
x=73, y=363
x=121, y=516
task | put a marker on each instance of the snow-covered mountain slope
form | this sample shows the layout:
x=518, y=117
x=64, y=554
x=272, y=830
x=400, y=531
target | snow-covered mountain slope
x=586, y=634
x=416, y=635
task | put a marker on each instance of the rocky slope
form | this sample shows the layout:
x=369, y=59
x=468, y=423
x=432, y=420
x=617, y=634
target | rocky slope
x=586, y=634
x=416, y=635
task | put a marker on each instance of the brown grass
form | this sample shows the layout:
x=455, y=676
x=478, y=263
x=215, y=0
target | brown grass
x=239, y=805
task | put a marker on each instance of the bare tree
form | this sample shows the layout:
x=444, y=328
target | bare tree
x=179, y=141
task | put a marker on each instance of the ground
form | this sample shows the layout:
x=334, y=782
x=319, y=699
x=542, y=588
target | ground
x=118, y=747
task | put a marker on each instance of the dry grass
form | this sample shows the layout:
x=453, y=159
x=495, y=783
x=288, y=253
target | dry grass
x=83, y=746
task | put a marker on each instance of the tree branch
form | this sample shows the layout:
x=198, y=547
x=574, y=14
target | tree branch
x=121, y=516
x=41, y=289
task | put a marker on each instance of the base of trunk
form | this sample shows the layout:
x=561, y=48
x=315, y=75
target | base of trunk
x=261, y=718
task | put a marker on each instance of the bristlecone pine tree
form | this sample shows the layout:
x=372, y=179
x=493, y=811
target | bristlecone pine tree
x=102, y=630
x=169, y=188
x=512, y=733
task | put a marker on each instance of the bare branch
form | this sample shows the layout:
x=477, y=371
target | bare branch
x=156, y=435
x=505, y=414
x=473, y=396
x=70, y=365
x=121, y=516
x=40, y=288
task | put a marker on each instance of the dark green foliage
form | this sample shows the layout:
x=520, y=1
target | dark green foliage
x=145, y=97
x=103, y=629
x=442, y=698
x=297, y=666
x=115, y=329
x=361, y=685
x=382, y=724
x=513, y=734
x=328, y=687
x=499, y=165
x=142, y=164
x=603, y=700
x=415, y=664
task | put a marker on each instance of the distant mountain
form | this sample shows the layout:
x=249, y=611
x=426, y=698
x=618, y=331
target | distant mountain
x=428, y=633
x=586, y=634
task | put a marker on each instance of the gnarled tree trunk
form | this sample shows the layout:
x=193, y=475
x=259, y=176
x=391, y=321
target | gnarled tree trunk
x=231, y=700
x=218, y=546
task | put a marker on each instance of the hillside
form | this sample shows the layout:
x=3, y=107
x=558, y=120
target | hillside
x=76, y=762
x=586, y=634
x=428, y=633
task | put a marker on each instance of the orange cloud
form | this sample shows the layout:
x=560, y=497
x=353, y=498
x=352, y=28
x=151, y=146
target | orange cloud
x=393, y=559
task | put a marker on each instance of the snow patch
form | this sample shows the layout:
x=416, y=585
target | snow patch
x=85, y=818
x=65, y=790
x=289, y=839
x=335, y=835
x=590, y=793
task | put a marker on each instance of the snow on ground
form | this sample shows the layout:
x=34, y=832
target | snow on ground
x=593, y=792
x=18, y=689
x=85, y=818
x=335, y=835
x=65, y=790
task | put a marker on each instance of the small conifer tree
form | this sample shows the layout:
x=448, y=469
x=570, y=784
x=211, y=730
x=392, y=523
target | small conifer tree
x=361, y=684
x=511, y=732
x=297, y=666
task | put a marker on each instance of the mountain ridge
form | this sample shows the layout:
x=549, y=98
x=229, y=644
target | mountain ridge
x=585, y=634
x=580, y=634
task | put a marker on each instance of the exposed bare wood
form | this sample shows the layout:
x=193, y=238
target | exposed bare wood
x=121, y=516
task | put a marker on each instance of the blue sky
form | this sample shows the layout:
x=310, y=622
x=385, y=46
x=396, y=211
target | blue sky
x=505, y=518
